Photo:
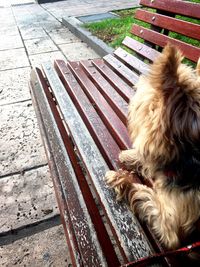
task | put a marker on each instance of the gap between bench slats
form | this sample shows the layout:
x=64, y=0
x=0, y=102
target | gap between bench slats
x=79, y=226
x=172, y=24
x=126, y=226
x=175, y=6
x=189, y=51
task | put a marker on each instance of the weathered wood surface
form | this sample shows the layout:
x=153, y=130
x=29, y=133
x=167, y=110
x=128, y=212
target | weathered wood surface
x=80, y=229
x=110, y=149
x=127, y=231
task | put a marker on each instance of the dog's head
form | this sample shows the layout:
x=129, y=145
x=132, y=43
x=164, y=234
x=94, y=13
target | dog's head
x=167, y=114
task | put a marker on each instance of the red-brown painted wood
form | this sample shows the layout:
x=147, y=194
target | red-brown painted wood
x=131, y=238
x=131, y=61
x=175, y=6
x=74, y=214
x=166, y=22
x=118, y=104
x=100, y=133
x=141, y=49
x=121, y=87
x=111, y=120
x=189, y=51
x=123, y=71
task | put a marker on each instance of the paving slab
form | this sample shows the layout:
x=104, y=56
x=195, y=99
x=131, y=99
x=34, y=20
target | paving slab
x=47, y=248
x=11, y=42
x=37, y=60
x=20, y=141
x=31, y=32
x=82, y=7
x=14, y=58
x=51, y=26
x=78, y=51
x=63, y=36
x=40, y=45
x=26, y=198
x=9, y=30
x=14, y=85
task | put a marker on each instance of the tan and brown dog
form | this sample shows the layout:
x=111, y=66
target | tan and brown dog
x=164, y=127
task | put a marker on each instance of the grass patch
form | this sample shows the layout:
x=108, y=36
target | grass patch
x=113, y=31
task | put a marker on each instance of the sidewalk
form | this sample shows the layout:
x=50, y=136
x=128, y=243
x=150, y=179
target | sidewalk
x=30, y=229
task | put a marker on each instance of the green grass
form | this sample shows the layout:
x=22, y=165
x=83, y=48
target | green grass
x=113, y=31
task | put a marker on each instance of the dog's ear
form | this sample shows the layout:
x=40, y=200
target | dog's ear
x=163, y=73
x=198, y=67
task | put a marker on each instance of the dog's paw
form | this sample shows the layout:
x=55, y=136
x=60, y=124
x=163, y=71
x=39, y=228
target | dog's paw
x=119, y=181
x=110, y=177
x=129, y=159
x=126, y=158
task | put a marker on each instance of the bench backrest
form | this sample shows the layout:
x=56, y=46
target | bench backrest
x=166, y=24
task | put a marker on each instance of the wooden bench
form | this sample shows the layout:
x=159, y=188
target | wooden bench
x=81, y=109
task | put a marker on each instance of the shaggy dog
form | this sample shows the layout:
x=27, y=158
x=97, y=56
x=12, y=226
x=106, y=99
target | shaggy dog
x=164, y=127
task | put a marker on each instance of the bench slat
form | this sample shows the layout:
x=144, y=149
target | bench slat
x=100, y=133
x=140, y=48
x=176, y=25
x=131, y=61
x=130, y=235
x=118, y=104
x=129, y=76
x=189, y=51
x=175, y=6
x=121, y=87
x=111, y=120
x=78, y=223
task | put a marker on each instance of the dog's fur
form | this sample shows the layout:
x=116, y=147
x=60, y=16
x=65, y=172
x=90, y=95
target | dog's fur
x=164, y=127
